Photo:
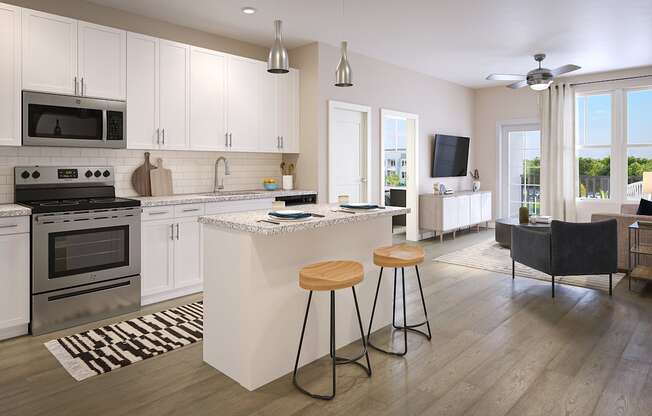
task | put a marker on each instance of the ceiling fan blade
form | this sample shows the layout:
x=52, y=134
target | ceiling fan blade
x=564, y=69
x=505, y=77
x=519, y=84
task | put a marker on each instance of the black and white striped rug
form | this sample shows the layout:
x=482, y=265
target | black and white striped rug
x=118, y=345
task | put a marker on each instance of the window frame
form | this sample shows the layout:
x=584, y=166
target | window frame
x=625, y=130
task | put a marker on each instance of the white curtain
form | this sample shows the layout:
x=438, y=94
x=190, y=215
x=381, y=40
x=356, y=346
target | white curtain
x=558, y=167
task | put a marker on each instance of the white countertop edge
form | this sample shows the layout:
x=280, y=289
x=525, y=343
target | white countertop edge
x=14, y=210
x=247, y=221
x=156, y=201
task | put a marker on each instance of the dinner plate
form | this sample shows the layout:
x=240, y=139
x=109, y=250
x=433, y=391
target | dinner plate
x=289, y=214
x=359, y=205
x=289, y=219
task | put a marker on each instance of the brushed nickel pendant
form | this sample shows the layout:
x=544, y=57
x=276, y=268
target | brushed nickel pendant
x=278, y=61
x=343, y=77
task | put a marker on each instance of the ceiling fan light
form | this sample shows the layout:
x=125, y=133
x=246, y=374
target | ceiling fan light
x=540, y=85
x=277, y=60
x=343, y=76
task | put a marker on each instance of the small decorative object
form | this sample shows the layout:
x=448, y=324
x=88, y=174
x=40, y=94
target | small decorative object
x=270, y=184
x=288, y=182
x=57, y=129
x=523, y=215
x=435, y=188
x=476, y=180
x=343, y=199
x=442, y=189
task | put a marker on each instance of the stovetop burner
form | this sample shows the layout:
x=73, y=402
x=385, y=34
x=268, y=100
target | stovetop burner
x=63, y=205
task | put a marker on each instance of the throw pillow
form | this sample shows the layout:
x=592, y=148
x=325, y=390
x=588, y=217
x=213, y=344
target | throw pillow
x=644, y=207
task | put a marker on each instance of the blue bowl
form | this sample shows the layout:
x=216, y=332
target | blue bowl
x=271, y=186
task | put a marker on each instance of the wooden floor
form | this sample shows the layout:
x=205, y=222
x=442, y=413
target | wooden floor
x=499, y=347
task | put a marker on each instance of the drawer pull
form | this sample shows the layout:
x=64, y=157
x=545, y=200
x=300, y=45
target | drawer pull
x=9, y=226
x=158, y=213
x=191, y=210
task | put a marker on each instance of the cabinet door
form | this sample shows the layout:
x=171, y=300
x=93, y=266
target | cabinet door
x=157, y=249
x=14, y=280
x=102, y=61
x=486, y=206
x=207, y=100
x=269, y=109
x=49, y=52
x=142, y=92
x=187, y=252
x=463, y=206
x=288, y=112
x=476, y=209
x=174, y=68
x=10, y=100
x=449, y=213
x=243, y=103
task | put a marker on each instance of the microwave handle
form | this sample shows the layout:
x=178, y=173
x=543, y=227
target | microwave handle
x=104, y=125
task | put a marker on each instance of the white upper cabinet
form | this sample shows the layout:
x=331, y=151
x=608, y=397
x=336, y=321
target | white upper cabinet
x=207, y=100
x=10, y=100
x=243, y=103
x=142, y=92
x=102, y=66
x=49, y=52
x=278, y=109
x=268, y=135
x=174, y=70
x=288, y=112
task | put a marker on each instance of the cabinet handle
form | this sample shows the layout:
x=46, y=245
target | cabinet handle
x=230, y=139
x=158, y=136
x=226, y=139
x=82, y=86
x=9, y=226
x=75, y=85
x=282, y=142
x=163, y=137
x=172, y=232
x=177, y=231
x=191, y=210
x=158, y=213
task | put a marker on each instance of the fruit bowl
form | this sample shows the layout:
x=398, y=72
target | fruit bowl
x=270, y=184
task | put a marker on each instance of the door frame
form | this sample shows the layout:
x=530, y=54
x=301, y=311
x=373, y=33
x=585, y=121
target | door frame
x=366, y=110
x=412, y=183
x=501, y=128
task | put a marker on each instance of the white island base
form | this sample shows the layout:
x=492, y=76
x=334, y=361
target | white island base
x=254, y=307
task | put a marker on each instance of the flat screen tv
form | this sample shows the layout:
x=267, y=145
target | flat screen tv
x=450, y=156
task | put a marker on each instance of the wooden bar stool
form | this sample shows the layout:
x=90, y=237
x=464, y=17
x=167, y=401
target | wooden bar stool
x=399, y=256
x=330, y=276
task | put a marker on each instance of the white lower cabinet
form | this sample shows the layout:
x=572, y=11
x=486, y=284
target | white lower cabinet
x=188, y=253
x=14, y=279
x=448, y=213
x=157, y=254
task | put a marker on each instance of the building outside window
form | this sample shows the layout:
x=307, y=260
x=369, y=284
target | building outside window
x=395, y=151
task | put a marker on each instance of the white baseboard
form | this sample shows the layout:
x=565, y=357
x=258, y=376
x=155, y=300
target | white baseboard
x=171, y=294
x=13, y=331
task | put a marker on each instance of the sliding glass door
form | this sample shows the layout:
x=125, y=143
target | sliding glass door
x=520, y=169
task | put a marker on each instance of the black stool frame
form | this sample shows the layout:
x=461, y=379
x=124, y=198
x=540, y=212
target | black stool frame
x=336, y=360
x=405, y=327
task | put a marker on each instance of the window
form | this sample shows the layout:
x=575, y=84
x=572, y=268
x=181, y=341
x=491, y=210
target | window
x=639, y=140
x=394, y=142
x=593, y=137
x=520, y=170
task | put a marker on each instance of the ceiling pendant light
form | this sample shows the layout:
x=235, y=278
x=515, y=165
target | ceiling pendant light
x=343, y=72
x=278, y=61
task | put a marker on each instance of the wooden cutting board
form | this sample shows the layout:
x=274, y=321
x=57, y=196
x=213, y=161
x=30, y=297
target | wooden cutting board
x=140, y=178
x=161, y=179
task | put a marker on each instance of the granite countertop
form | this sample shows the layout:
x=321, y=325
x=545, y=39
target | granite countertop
x=154, y=201
x=248, y=221
x=14, y=210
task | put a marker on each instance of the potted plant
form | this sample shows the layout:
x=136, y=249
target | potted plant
x=476, y=180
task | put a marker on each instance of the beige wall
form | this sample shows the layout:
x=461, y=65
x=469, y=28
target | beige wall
x=82, y=10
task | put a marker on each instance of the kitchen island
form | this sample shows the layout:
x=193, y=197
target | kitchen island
x=253, y=306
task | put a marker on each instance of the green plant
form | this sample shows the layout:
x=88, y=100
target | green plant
x=393, y=179
x=583, y=192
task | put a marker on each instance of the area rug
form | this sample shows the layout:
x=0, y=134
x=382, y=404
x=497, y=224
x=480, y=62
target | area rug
x=489, y=255
x=114, y=346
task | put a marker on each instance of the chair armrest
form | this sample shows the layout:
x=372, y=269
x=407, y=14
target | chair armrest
x=584, y=248
x=531, y=247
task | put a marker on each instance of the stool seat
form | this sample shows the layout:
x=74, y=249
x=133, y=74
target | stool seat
x=398, y=255
x=331, y=275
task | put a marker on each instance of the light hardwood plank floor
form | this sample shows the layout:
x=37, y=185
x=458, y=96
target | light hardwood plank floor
x=499, y=347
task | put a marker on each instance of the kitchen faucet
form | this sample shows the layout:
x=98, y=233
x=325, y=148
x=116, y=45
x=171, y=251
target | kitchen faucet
x=220, y=184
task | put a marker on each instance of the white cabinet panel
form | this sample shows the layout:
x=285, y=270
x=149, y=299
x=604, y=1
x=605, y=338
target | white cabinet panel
x=187, y=253
x=486, y=206
x=142, y=92
x=463, y=207
x=449, y=214
x=102, y=61
x=207, y=100
x=49, y=48
x=14, y=280
x=174, y=68
x=288, y=112
x=10, y=67
x=475, y=209
x=243, y=103
x=268, y=126
x=157, y=252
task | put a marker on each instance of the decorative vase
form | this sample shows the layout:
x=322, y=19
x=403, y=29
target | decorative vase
x=523, y=215
x=476, y=186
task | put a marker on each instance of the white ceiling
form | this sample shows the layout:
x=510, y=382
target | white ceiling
x=457, y=40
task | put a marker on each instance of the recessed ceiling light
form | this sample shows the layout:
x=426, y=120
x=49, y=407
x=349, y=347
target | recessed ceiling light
x=248, y=10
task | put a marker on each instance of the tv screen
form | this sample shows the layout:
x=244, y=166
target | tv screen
x=450, y=156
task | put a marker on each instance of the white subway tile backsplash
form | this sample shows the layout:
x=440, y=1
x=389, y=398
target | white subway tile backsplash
x=192, y=172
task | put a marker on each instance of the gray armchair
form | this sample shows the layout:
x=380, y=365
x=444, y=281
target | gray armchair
x=568, y=249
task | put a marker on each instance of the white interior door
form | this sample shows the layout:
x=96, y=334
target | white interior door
x=348, y=154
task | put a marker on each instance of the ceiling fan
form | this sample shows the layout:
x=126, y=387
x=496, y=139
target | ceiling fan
x=538, y=79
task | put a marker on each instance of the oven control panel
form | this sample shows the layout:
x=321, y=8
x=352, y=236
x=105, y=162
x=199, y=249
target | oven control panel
x=34, y=175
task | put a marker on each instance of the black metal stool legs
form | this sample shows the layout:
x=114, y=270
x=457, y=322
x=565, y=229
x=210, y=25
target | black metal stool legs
x=405, y=328
x=335, y=359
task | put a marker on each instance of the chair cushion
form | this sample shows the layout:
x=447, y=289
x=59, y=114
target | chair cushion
x=644, y=207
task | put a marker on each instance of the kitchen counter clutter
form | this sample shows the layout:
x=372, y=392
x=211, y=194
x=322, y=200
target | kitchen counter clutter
x=154, y=201
x=14, y=210
x=328, y=215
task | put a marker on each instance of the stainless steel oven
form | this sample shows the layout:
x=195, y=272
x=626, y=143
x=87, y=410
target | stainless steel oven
x=64, y=120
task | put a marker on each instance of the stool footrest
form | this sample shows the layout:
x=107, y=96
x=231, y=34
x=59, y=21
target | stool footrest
x=413, y=328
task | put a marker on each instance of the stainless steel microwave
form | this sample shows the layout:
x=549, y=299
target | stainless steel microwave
x=65, y=120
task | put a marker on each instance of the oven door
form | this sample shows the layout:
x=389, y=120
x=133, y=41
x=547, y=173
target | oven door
x=73, y=249
x=62, y=120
